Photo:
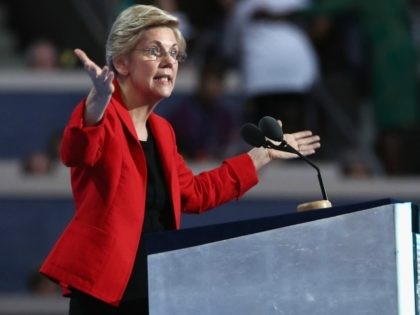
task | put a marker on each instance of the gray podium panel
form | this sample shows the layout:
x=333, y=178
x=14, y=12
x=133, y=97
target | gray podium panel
x=340, y=265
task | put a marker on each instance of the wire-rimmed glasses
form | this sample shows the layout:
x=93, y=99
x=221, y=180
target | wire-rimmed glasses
x=155, y=53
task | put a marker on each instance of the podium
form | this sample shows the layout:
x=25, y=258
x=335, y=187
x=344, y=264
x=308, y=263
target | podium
x=356, y=259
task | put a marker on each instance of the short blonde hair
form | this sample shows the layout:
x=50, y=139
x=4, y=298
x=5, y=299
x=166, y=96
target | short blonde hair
x=131, y=23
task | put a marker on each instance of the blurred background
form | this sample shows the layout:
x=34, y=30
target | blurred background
x=346, y=69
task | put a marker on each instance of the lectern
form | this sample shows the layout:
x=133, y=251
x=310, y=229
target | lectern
x=356, y=259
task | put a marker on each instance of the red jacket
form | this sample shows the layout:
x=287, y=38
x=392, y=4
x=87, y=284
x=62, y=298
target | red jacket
x=96, y=252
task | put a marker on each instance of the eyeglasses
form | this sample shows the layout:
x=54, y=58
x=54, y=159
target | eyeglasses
x=155, y=53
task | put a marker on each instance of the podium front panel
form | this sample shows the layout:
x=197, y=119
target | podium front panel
x=339, y=265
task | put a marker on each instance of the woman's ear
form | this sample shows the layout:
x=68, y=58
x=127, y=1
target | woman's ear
x=120, y=64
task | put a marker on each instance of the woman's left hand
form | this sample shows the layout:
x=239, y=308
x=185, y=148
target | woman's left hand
x=303, y=141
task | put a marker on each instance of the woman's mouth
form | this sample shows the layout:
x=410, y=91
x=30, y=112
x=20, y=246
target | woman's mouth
x=164, y=78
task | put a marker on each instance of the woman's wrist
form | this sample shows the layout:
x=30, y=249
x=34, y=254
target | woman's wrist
x=260, y=157
x=95, y=107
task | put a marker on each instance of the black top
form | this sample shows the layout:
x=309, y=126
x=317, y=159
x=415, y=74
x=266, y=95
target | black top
x=158, y=217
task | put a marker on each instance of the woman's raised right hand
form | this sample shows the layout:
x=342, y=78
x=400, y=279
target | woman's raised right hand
x=101, y=92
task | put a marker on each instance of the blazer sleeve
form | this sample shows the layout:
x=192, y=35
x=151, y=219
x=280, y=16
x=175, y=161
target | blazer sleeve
x=209, y=189
x=82, y=145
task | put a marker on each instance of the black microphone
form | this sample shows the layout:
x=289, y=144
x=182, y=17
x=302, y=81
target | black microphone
x=268, y=127
x=256, y=138
x=253, y=135
x=271, y=128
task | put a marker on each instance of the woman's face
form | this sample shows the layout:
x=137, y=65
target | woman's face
x=153, y=77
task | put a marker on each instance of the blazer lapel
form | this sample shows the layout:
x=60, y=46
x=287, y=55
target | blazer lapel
x=123, y=113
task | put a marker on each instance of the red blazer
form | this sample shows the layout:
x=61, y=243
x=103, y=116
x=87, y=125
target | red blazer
x=95, y=254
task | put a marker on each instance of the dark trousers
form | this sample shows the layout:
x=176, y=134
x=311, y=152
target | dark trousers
x=82, y=304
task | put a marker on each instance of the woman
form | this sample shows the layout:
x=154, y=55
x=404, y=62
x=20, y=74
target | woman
x=126, y=175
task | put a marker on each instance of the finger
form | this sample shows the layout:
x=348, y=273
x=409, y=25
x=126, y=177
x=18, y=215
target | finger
x=103, y=82
x=81, y=55
x=307, y=152
x=88, y=64
x=308, y=140
x=93, y=73
x=108, y=80
x=110, y=77
x=309, y=147
x=302, y=134
x=104, y=74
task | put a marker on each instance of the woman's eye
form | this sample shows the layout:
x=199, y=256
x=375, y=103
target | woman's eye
x=154, y=51
x=173, y=53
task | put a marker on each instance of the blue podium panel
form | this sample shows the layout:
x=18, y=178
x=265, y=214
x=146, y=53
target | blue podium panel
x=347, y=264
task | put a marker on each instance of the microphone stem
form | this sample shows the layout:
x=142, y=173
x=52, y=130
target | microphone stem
x=284, y=145
x=321, y=183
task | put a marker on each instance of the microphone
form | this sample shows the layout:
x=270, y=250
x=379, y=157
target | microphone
x=253, y=135
x=269, y=129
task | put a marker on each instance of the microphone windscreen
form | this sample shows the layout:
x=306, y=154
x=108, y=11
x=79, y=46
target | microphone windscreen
x=252, y=135
x=270, y=128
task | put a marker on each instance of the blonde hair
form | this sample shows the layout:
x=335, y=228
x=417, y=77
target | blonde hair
x=130, y=25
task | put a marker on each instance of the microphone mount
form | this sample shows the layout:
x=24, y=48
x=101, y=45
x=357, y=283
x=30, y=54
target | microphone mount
x=284, y=146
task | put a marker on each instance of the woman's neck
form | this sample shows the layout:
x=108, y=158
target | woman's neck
x=139, y=117
x=137, y=107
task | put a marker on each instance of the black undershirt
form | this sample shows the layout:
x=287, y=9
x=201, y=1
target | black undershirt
x=158, y=217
